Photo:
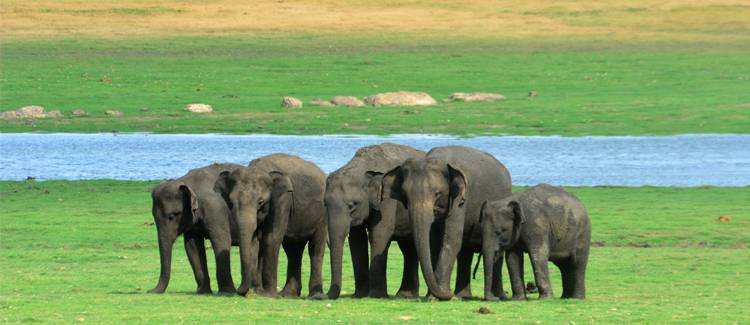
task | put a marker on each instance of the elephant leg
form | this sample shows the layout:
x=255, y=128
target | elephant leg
x=463, y=275
x=269, y=249
x=380, y=239
x=497, y=279
x=566, y=273
x=221, y=245
x=452, y=240
x=360, y=261
x=514, y=259
x=410, y=279
x=255, y=281
x=539, y=261
x=196, y=252
x=580, y=261
x=317, y=249
x=293, y=285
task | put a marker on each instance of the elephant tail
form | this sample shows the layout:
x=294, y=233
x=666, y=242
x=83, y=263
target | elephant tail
x=476, y=267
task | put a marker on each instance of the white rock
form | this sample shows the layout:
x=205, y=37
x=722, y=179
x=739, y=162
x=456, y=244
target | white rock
x=291, y=102
x=401, y=98
x=475, y=97
x=199, y=108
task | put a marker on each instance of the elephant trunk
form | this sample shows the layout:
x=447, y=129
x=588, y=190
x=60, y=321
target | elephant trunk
x=246, y=224
x=422, y=218
x=489, y=254
x=338, y=229
x=166, y=241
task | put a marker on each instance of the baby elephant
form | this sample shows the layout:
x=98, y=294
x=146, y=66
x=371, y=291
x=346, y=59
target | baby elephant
x=548, y=223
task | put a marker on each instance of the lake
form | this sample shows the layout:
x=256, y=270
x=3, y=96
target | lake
x=682, y=160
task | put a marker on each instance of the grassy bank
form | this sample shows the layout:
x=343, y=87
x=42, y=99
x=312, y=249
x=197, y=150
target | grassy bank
x=85, y=251
x=602, y=68
x=584, y=87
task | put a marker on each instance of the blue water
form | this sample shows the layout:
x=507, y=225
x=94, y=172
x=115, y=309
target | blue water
x=684, y=160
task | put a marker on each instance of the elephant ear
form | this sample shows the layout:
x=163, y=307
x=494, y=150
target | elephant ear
x=457, y=186
x=224, y=186
x=281, y=183
x=189, y=201
x=391, y=186
x=373, y=188
x=282, y=197
x=482, y=211
x=519, y=217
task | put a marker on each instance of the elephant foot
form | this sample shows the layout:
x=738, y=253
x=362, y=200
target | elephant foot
x=267, y=293
x=359, y=294
x=156, y=290
x=464, y=295
x=491, y=298
x=504, y=296
x=407, y=294
x=378, y=294
x=290, y=292
x=242, y=291
x=518, y=297
x=318, y=296
x=227, y=290
x=203, y=291
x=545, y=296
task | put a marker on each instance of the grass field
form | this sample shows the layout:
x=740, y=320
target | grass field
x=606, y=68
x=84, y=251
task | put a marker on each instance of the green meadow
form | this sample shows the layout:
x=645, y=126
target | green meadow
x=584, y=87
x=86, y=251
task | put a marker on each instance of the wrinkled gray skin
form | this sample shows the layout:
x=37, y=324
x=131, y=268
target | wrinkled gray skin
x=278, y=201
x=444, y=193
x=353, y=204
x=548, y=223
x=189, y=206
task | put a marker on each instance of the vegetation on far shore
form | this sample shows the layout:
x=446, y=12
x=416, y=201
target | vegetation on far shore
x=86, y=251
x=603, y=68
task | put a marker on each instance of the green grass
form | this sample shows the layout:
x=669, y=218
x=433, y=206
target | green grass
x=585, y=86
x=84, y=251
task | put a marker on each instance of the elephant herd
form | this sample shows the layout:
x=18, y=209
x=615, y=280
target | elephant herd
x=441, y=207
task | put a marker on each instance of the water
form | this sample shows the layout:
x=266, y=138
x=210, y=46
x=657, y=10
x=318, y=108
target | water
x=684, y=160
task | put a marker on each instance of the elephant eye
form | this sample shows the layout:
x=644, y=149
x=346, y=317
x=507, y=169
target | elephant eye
x=260, y=202
x=173, y=215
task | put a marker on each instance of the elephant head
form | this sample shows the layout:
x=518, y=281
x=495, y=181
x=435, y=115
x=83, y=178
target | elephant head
x=500, y=223
x=252, y=195
x=175, y=209
x=432, y=190
x=349, y=197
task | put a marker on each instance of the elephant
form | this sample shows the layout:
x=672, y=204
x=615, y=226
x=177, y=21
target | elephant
x=443, y=193
x=548, y=223
x=277, y=201
x=190, y=206
x=354, y=207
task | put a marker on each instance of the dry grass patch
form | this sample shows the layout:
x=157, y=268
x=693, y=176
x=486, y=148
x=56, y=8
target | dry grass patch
x=642, y=19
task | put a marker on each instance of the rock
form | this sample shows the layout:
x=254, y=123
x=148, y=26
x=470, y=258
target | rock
x=9, y=115
x=320, y=102
x=349, y=101
x=291, y=102
x=484, y=310
x=114, y=113
x=401, y=98
x=31, y=112
x=199, y=108
x=54, y=114
x=533, y=93
x=475, y=97
x=78, y=112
